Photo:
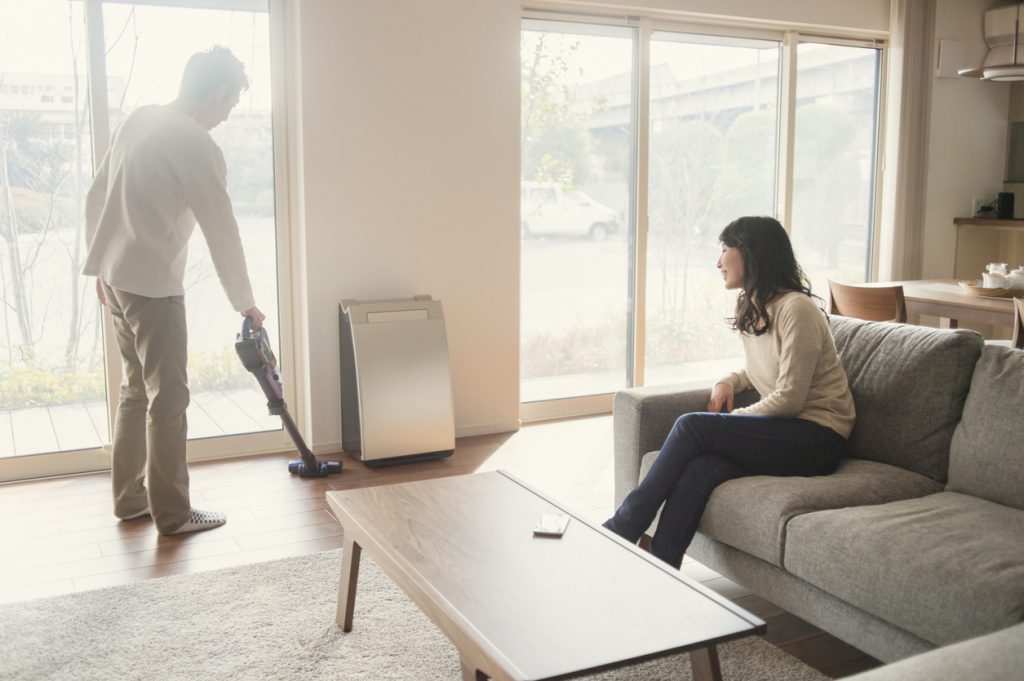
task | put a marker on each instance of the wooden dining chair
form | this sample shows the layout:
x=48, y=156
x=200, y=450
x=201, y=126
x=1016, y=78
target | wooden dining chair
x=872, y=303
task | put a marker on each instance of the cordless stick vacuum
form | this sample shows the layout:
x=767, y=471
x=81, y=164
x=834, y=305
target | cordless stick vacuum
x=253, y=348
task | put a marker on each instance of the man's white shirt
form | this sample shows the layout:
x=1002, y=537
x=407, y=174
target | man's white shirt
x=161, y=175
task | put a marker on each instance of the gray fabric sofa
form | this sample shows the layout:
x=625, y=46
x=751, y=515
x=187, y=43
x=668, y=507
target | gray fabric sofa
x=917, y=541
x=998, y=656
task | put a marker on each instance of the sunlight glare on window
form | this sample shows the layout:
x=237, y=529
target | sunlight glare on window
x=714, y=116
x=577, y=137
x=52, y=390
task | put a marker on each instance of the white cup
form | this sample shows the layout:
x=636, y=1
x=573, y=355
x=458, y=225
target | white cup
x=1015, y=279
x=989, y=280
x=997, y=268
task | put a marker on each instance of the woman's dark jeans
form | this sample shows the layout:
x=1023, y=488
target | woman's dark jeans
x=703, y=451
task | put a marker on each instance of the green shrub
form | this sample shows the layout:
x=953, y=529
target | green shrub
x=40, y=387
x=672, y=337
x=581, y=349
x=217, y=370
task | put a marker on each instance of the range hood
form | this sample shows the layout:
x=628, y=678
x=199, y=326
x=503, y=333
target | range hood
x=1005, y=59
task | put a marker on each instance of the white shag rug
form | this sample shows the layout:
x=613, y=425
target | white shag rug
x=276, y=621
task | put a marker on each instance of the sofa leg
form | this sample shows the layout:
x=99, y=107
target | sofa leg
x=645, y=542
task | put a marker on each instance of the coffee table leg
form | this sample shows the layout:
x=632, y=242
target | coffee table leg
x=704, y=663
x=347, y=585
x=470, y=673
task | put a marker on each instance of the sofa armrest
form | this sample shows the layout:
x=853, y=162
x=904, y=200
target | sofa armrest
x=641, y=420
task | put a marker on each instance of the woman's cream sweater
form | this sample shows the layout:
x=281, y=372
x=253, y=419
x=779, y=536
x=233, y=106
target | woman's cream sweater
x=795, y=367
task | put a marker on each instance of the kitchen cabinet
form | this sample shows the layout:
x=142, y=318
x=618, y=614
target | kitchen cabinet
x=980, y=241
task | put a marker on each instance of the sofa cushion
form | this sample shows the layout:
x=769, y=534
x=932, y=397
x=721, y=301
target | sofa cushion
x=908, y=384
x=751, y=513
x=986, y=458
x=945, y=567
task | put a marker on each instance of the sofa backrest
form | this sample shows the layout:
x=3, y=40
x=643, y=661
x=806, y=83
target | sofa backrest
x=986, y=458
x=909, y=384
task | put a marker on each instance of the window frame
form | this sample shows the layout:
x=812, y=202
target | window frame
x=68, y=462
x=789, y=37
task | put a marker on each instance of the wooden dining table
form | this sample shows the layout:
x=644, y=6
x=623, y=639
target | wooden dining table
x=945, y=299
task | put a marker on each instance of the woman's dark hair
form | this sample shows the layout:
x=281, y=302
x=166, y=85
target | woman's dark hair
x=769, y=268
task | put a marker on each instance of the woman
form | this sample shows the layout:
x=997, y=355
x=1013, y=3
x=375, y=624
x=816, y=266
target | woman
x=797, y=427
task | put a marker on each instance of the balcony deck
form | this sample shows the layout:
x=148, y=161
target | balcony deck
x=36, y=430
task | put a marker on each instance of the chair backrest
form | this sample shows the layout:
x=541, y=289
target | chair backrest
x=871, y=303
x=1018, y=324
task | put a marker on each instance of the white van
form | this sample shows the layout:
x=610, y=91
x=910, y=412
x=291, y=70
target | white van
x=549, y=209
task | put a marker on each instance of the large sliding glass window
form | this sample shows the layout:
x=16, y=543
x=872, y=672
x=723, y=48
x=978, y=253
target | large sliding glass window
x=56, y=369
x=51, y=343
x=727, y=135
x=713, y=119
x=577, y=146
x=834, y=161
x=147, y=48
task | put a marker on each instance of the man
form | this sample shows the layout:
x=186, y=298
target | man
x=162, y=173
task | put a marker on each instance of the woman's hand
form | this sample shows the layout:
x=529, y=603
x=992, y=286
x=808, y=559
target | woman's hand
x=721, y=398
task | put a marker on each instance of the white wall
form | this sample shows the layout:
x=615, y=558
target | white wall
x=967, y=140
x=407, y=177
x=410, y=172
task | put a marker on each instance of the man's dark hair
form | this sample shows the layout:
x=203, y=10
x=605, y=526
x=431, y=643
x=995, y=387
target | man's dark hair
x=769, y=268
x=209, y=70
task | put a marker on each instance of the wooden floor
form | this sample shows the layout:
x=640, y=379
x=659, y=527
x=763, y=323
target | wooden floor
x=59, y=535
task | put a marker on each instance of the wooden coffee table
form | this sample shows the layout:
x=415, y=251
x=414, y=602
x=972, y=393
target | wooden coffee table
x=522, y=607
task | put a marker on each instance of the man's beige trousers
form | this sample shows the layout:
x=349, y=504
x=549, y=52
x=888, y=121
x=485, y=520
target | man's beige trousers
x=150, y=430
